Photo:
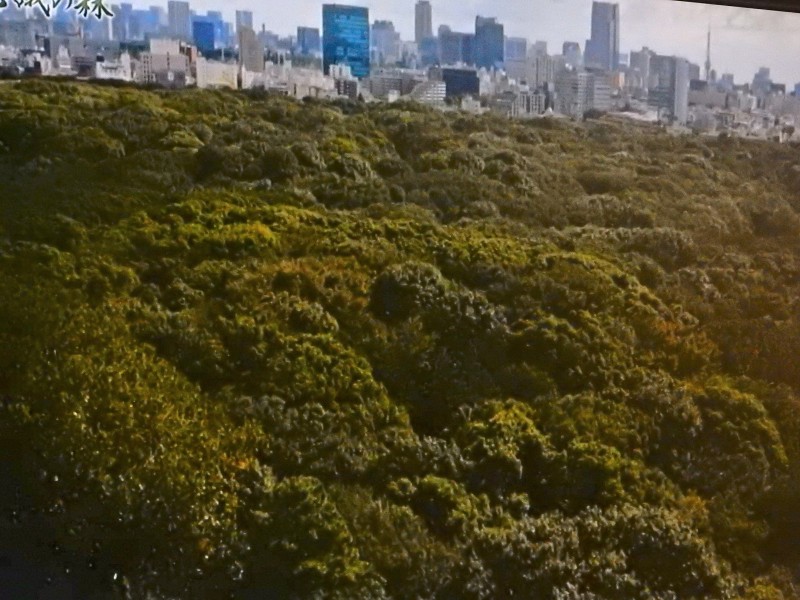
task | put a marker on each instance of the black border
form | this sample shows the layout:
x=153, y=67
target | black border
x=781, y=5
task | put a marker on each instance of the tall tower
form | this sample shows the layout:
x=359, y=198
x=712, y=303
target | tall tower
x=489, y=42
x=708, y=56
x=423, y=21
x=345, y=38
x=602, y=49
x=180, y=19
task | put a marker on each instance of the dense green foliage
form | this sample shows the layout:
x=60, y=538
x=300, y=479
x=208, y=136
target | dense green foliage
x=273, y=349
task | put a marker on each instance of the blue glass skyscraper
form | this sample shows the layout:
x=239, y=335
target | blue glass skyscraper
x=203, y=35
x=345, y=38
x=489, y=43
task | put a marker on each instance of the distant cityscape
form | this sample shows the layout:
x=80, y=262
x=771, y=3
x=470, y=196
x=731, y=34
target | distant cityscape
x=476, y=71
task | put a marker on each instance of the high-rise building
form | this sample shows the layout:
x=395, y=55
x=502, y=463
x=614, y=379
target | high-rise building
x=97, y=30
x=428, y=51
x=308, y=40
x=796, y=88
x=141, y=24
x=762, y=81
x=251, y=52
x=269, y=40
x=180, y=20
x=120, y=22
x=539, y=48
x=489, y=42
x=778, y=89
x=220, y=38
x=639, y=72
x=581, y=91
x=602, y=50
x=671, y=92
x=160, y=15
x=726, y=82
x=345, y=38
x=244, y=18
x=694, y=71
x=423, y=21
x=516, y=48
x=203, y=35
x=542, y=71
x=166, y=64
x=385, y=42
x=534, y=71
x=456, y=48
x=572, y=93
x=64, y=21
x=572, y=54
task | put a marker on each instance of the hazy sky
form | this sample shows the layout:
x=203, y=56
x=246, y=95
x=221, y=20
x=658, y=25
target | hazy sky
x=743, y=39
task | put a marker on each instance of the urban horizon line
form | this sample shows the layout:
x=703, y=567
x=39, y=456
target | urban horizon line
x=122, y=8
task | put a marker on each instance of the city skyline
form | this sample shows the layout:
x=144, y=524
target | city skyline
x=743, y=39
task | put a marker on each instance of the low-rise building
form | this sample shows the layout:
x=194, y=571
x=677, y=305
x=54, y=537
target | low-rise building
x=214, y=74
x=119, y=70
x=520, y=104
x=461, y=82
x=403, y=81
x=430, y=92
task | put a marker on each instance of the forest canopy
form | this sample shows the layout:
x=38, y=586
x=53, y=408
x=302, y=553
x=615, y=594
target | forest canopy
x=259, y=348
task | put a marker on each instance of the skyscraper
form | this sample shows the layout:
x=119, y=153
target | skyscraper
x=423, y=20
x=385, y=42
x=489, y=42
x=572, y=53
x=539, y=48
x=602, y=50
x=345, y=38
x=762, y=81
x=203, y=35
x=120, y=22
x=220, y=37
x=308, y=41
x=456, y=47
x=244, y=18
x=251, y=52
x=160, y=16
x=180, y=20
x=428, y=50
x=516, y=48
x=640, y=69
x=671, y=91
x=726, y=82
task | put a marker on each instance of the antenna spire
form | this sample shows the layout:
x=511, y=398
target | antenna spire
x=708, y=56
